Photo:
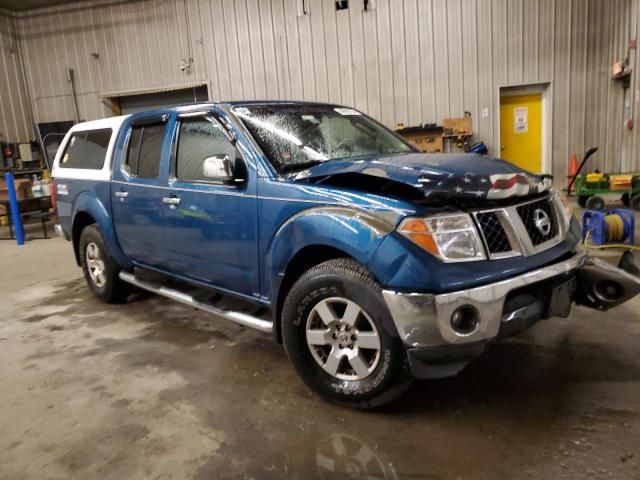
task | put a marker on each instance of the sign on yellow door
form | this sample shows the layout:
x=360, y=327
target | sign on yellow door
x=521, y=131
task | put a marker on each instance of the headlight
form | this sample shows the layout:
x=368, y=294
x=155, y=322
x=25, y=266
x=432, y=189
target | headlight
x=451, y=238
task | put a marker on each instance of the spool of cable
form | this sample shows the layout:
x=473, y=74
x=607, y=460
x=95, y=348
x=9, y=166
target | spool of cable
x=616, y=228
x=612, y=228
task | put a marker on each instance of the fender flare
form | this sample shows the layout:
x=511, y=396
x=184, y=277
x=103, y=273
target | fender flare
x=354, y=231
x=90, y=203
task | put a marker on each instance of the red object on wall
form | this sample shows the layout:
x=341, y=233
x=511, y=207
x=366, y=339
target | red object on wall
x=573, y=168
x=7, y=152
x=633, y=44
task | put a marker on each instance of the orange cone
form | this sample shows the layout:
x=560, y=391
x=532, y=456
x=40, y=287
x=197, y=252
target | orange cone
x=573, y=168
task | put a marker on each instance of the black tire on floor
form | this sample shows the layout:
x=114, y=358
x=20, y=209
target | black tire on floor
x=635, y=202
x=625, y=199
x=595, y=203
x=344, y=278
x=109, y=288
x=582, y=200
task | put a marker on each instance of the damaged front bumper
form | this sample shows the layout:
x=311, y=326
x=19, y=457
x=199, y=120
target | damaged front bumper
x=450, y=328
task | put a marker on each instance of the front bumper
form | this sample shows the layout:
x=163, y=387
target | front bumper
x=423, y=321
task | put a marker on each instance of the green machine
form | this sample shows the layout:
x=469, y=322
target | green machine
x=591, y=187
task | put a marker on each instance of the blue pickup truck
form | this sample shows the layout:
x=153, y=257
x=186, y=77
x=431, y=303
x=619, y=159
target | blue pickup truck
x=371, y=262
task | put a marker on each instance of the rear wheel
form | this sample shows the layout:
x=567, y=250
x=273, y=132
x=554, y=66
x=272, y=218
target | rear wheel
x=340, y=337
x=100, y=270
x=595, y=203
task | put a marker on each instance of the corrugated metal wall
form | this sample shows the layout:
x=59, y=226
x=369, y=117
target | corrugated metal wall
x=403, y=61
x=15, y=123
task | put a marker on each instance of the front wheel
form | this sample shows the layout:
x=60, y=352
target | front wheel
x=340, y=337
x=100, y=270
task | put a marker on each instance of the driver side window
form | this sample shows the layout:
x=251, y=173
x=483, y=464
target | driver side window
x=198, y=139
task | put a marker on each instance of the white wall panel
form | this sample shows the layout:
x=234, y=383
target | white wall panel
x=345, y=77
x=385, y=64
x=441, y=58
x=399, y=61
x=634, y=145
x=470, y=58
x=531, y=41
x=454, y=57
x=409, y=61
x=358, y=59
x=427, y=62
x=486, y=87
x=499, y=65
x=515, y=41
x=318, y=50
x=306, y=56
x=14, y=112
x=562, y=82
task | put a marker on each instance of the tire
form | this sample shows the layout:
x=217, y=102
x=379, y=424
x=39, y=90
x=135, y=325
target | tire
x=322, y=304
x=582, y=200
x=635, y=202
x=594, y=203
x=99, y=268
x=625, y=199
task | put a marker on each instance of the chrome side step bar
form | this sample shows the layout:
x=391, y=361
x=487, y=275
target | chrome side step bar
x=237, y=317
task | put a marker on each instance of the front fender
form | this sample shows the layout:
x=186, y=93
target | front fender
x=355, y=232
x=91, y=203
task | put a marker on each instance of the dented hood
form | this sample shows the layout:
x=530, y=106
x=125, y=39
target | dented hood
x=440, y=175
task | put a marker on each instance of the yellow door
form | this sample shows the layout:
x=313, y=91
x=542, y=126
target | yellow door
x=521, y=131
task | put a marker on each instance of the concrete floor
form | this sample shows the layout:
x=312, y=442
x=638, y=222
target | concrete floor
x=153, y=389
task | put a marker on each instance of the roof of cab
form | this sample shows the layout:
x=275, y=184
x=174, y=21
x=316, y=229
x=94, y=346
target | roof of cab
x=191, y=107
x=113, y=123
x=237, y=103
x=116, y=122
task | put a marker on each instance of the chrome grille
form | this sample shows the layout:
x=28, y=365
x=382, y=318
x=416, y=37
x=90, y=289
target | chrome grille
x=512, y=231
x=527, y=213
x=494, y=235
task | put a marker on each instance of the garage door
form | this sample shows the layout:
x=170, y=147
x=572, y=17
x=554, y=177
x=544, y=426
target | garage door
x=148, y=101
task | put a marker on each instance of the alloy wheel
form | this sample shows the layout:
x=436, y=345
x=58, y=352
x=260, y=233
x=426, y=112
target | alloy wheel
x=343, y=339
x=95, y=265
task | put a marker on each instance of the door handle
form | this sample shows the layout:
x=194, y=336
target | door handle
x=121, y=194
x=171, y=200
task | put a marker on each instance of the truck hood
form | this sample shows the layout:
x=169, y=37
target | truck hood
x=455, y=176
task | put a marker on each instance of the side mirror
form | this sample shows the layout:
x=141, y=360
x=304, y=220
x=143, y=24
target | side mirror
x=218, y=167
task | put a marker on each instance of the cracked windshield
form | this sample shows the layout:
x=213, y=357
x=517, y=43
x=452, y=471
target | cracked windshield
x=295, y=137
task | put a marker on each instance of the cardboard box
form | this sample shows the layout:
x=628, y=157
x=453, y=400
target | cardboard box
x=23, y=190
x=454, y=127
x=427, y=139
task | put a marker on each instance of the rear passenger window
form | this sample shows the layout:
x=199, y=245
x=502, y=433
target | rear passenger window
x=200, y=138
x=144, y=150
x=86, y=150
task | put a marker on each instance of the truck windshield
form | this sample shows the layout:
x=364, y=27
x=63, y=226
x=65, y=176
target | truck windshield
x=295, y=137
